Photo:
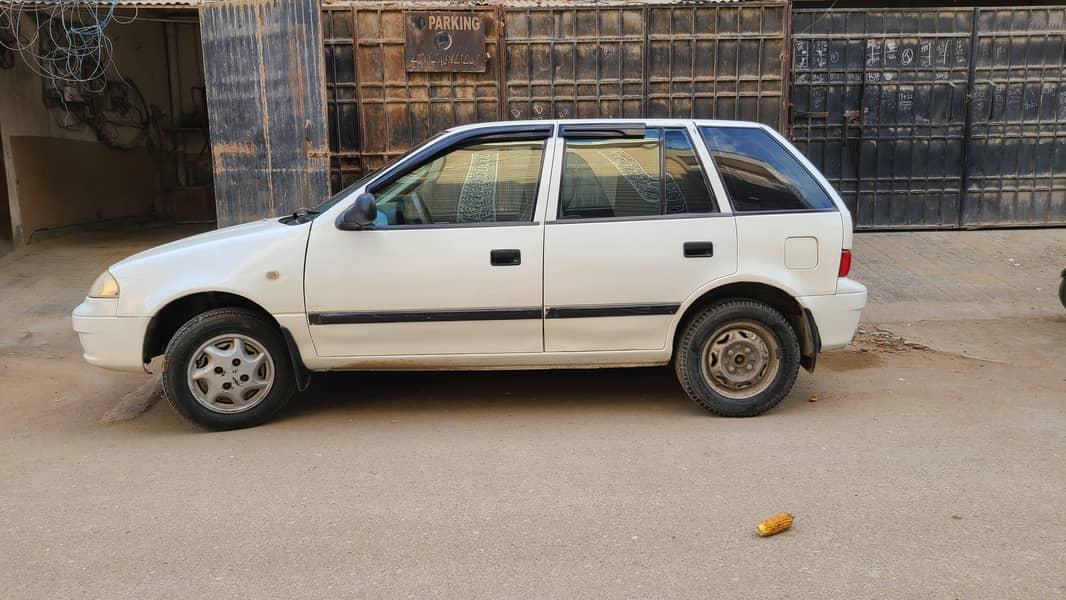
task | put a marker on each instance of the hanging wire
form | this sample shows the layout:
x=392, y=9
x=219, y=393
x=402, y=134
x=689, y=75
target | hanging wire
x=65, y=42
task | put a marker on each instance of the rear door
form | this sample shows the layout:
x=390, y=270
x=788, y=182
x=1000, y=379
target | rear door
x=636, y=225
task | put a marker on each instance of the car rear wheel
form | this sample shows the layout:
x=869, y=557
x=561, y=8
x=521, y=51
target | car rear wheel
x=228, y=368
x=737, y=358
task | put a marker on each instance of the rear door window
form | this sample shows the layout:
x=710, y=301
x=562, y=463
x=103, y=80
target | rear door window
x=686, y=185
x=760, y=174
x=656, y=175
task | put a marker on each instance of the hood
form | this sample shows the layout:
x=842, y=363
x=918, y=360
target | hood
x=201, y=240
x=236, y=260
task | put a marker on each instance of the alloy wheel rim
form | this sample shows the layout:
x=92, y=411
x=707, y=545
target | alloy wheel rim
x=230, y=373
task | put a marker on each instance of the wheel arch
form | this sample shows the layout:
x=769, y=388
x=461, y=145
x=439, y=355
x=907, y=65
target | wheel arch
x=167, y=320
x=799, y=318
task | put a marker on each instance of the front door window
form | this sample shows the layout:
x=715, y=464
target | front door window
x=493, y=182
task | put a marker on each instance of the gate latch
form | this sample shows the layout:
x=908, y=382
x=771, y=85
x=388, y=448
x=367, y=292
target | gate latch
x=852, y=118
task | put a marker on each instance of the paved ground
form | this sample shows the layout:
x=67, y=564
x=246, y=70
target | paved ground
x=985, y=294
x=916, y=473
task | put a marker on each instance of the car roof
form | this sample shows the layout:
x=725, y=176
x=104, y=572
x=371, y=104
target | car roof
x=643, y=121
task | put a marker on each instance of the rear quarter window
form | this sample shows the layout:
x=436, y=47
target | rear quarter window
x=760, y=174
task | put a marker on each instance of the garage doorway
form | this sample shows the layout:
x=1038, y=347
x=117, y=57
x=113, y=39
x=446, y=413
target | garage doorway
x=186, y=177
x=127, y=145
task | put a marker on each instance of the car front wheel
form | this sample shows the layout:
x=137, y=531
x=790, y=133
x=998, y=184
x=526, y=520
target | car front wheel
x=228, y=368
x=737, y=358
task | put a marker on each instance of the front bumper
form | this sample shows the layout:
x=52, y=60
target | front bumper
x=107, y=340
x=837, y=315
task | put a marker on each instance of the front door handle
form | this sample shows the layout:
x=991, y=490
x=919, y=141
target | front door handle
x=506, y=257
x=699, y=249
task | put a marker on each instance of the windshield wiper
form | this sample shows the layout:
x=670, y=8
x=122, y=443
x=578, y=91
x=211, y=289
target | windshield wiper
x=301, y=215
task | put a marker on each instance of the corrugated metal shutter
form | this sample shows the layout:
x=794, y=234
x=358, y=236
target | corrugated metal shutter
x=266, y=104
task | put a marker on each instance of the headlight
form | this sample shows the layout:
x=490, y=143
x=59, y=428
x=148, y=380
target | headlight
x=105, y=286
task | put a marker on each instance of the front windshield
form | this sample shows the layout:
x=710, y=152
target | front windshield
x=347, y=191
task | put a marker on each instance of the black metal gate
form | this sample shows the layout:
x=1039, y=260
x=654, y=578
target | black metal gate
x=879, y=104
x=266, y=107
x=935, y=118
x=1017, y=160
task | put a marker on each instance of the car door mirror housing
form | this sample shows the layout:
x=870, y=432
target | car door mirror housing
x=360, y=215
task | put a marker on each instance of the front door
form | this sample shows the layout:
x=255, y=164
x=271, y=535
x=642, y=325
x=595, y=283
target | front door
x=454, y=264
x=637, y=229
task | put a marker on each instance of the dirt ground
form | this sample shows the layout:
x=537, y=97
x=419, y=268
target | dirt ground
x=927, y=460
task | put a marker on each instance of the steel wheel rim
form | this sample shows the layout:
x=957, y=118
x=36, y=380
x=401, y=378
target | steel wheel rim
x=741, y=360
x=230, y=373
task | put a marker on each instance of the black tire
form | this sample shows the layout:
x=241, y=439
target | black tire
x=693, y=370
x=208, y=326
x=1062, y=290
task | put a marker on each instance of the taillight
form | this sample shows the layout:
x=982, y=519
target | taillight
x=845, y=263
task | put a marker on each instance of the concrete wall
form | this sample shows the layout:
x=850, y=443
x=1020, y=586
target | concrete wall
x=59, y=176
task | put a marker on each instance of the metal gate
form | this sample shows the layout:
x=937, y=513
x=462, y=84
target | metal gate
x=571, y=63
x=560, y=61
x=378, y=110
x=935, y=118
x=266, y=107
x=718, y=61
x=879, y=104
x=1017, y=154
x=697, y=61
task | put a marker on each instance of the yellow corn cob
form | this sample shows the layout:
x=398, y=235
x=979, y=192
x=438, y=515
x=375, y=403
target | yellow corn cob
x=775, y=524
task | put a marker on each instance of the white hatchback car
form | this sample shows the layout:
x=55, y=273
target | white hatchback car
x=514, y=245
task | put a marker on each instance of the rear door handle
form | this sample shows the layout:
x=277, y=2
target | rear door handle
x=699, y=249
x=505, y=257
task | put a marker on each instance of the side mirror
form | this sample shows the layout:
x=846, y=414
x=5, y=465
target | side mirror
x=360, y=215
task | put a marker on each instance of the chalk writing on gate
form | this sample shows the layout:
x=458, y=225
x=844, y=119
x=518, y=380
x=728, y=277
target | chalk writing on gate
x=802, y=58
